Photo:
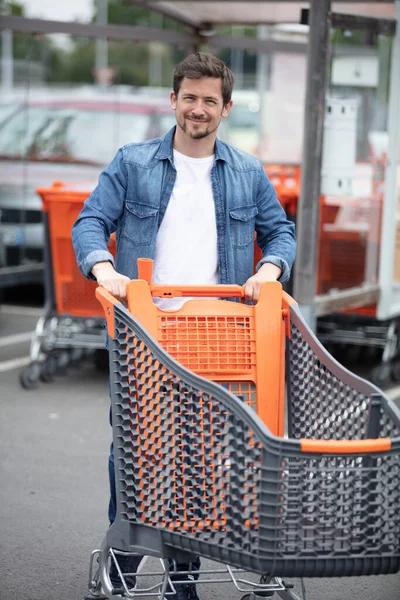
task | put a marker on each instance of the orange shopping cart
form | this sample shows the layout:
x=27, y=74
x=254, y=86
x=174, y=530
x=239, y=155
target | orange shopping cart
x=239, y=439
x=72, y=322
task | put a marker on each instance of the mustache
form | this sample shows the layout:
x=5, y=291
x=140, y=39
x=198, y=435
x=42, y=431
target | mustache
x=192, y=118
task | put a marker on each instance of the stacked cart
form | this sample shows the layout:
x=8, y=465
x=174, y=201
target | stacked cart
x=72, y=322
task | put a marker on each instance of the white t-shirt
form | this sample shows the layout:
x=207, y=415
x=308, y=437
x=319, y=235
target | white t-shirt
x=186, y=246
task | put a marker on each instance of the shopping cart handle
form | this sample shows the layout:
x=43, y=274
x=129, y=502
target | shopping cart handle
x=145, y=272
x=199, y=291
x=105, y=298
x=108, y=302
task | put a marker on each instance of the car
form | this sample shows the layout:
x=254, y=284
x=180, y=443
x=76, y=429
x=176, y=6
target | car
x=70, y=138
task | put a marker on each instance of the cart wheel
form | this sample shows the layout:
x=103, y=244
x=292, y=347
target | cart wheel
x=104, y=569
x=97, y=595
x=257, y=594
x=395, y=370
x=62, y=361
x=48, y=369
x=264, y=579
x=30, y=376
x=95, y=590
x=76, y=356
x=380, y=375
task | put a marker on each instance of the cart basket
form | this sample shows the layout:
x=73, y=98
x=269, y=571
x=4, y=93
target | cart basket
x=198, y=472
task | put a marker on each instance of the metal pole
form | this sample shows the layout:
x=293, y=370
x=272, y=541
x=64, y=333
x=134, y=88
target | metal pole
x=384, y=58
x=155, y=54
x=198, y=41
x=101, y=44
x=7, y=76
x=262, y=87
x=305, y=272
x=237, y=56
x=7, y=66
x=388, y=231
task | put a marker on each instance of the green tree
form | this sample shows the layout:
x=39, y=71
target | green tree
x=11, y=8
x=33, y=49
x=130, y=59
x=121, y=13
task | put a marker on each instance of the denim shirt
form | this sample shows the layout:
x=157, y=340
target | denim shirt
x=132, y=196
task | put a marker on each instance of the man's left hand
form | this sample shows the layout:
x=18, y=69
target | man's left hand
x=252, y=287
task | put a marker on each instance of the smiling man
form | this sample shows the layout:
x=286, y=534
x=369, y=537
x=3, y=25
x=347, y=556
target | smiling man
x=199, y=107
x=191, y=203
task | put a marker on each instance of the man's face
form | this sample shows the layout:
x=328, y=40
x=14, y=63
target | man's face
x=199, y=106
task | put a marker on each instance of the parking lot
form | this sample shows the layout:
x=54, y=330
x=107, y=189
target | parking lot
x=54, y=485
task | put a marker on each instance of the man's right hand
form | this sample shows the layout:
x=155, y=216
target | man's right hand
x=110, y=280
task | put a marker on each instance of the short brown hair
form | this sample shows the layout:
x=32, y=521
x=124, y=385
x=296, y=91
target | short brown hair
x=201, y=64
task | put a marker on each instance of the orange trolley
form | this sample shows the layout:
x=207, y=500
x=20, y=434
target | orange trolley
x=72, y=320
x=239, y=439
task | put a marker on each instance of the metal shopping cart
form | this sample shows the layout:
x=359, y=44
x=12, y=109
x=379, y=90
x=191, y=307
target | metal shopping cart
x=201, y=398
x=72, y=322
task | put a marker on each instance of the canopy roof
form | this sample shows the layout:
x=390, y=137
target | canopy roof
x=217, y=12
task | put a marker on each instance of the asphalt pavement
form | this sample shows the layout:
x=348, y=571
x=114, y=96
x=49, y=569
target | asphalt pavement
x=54, y=485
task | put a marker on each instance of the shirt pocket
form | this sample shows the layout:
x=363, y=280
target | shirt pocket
x=242, y=225
x=140, y=223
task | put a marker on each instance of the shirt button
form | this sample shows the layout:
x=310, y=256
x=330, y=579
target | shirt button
x=162, y=207
x=172, y=177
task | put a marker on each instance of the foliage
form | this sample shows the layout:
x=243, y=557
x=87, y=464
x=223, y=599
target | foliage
x=74, y=63
x=30, y=48
x=130, y=59
x=9, y=7
x=352, y=38
x=122, y=13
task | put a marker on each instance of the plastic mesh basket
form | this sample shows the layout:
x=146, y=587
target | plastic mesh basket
x=74, y=295
x=199, y=472
x=225, y=342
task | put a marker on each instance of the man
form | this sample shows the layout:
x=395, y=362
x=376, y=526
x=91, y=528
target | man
x=191, y=203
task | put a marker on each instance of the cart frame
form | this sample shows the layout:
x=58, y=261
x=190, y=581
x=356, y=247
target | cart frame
x=324, y=502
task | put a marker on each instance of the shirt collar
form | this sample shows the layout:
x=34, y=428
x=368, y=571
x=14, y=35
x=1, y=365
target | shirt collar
x=166, y=148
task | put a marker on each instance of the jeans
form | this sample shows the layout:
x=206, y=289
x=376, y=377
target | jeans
x=112, y=506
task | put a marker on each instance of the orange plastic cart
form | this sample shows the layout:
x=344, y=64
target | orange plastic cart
x=203, y=464
x=72, y=320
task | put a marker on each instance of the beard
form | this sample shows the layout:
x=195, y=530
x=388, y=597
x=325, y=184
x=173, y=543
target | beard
x=196, y=135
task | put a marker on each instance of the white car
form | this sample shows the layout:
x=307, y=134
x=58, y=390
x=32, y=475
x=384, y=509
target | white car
x=66, y=139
